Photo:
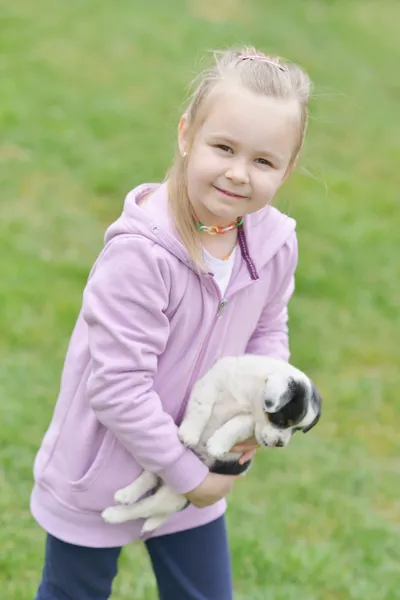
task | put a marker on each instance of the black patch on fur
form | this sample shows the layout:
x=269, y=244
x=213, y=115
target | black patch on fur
x=184, y=507
x=231, y=467
x=295, y=406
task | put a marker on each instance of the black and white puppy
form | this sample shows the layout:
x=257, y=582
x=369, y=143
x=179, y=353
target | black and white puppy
x=238, y=398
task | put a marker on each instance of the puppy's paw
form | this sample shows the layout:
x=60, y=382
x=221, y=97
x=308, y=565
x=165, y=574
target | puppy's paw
x=188, y=436
x=153, y=523
x=126, y=495
x=215, y=448
x=115, y=514
x=133, y=492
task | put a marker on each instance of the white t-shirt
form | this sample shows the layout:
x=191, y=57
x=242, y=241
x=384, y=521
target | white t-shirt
x=222, y=269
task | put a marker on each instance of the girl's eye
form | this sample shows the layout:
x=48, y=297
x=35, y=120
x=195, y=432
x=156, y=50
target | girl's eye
x=224, y=148
x=264, y=161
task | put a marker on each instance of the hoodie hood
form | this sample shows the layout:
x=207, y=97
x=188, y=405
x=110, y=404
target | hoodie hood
x=265, y=231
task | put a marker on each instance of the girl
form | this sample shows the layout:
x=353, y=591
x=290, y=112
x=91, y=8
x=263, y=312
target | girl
x=196, y=268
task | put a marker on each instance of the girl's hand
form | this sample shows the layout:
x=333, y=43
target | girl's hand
x=248, y=447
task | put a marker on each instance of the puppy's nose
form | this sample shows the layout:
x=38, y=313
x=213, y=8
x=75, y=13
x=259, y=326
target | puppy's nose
x=279, y=444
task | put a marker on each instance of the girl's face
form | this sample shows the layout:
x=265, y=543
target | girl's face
x=241, y=153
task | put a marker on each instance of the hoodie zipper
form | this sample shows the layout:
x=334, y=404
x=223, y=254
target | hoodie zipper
x=221, y=307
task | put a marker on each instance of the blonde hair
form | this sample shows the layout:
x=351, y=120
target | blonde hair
x=261, y=74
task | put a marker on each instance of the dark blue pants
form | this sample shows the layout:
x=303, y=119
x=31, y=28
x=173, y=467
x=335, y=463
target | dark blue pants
x=188, y=565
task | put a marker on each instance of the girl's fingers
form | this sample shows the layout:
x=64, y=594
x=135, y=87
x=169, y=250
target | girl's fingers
x=249, y=455
x=244, y=447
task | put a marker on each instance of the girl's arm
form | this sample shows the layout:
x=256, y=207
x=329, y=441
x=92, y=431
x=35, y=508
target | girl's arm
x=270, y=337
x=124, y=306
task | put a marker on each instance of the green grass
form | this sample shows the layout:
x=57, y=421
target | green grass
x=90, y=93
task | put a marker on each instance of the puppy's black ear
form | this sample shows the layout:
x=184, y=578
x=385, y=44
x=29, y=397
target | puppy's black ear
x=307, y=429
x=317, y=404
x=295, y=394
x=316, y=398
x=292, y=405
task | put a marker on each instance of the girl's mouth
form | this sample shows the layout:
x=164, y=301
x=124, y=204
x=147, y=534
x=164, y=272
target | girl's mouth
x=229, y=194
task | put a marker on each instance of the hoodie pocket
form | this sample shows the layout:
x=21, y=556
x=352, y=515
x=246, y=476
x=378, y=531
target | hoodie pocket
x=98, y=464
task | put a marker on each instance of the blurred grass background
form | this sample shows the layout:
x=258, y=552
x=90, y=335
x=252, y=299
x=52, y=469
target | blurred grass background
x=90, y=95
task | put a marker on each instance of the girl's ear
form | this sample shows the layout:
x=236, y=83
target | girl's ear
x=183, y=142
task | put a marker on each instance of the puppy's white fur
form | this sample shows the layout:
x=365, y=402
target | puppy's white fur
x=227, y=405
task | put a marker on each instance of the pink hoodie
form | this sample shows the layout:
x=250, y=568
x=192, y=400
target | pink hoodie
x=150, y=325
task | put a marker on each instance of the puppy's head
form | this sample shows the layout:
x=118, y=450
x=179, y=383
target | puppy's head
x=291, y=403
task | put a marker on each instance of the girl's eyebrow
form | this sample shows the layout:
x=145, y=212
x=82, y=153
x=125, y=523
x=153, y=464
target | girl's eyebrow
x=224, y=136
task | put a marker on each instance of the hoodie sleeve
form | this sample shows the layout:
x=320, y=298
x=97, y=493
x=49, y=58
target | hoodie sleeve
x=270, y=337
x=124, y=306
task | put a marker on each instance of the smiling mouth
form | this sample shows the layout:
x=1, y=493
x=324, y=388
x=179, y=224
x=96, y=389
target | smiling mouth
x=229, y=194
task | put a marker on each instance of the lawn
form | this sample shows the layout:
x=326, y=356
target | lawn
x=90, y=94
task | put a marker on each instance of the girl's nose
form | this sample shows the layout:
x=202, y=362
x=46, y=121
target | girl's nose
x=237, y=172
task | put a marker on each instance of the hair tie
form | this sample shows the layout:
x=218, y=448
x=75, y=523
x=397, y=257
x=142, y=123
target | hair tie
x=264, y=59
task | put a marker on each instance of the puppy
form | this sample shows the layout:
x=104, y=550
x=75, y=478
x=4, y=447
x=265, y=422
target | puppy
x=239, y=397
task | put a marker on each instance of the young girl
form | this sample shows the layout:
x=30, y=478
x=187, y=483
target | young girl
x=196, y=268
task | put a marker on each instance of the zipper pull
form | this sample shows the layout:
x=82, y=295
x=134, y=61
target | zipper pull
x=221, y=307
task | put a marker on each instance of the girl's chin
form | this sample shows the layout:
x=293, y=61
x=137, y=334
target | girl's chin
x=221, y=219
x=218, y=211
x=223, y=214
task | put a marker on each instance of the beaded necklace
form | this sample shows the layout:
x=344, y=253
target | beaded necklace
x=217, y=229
